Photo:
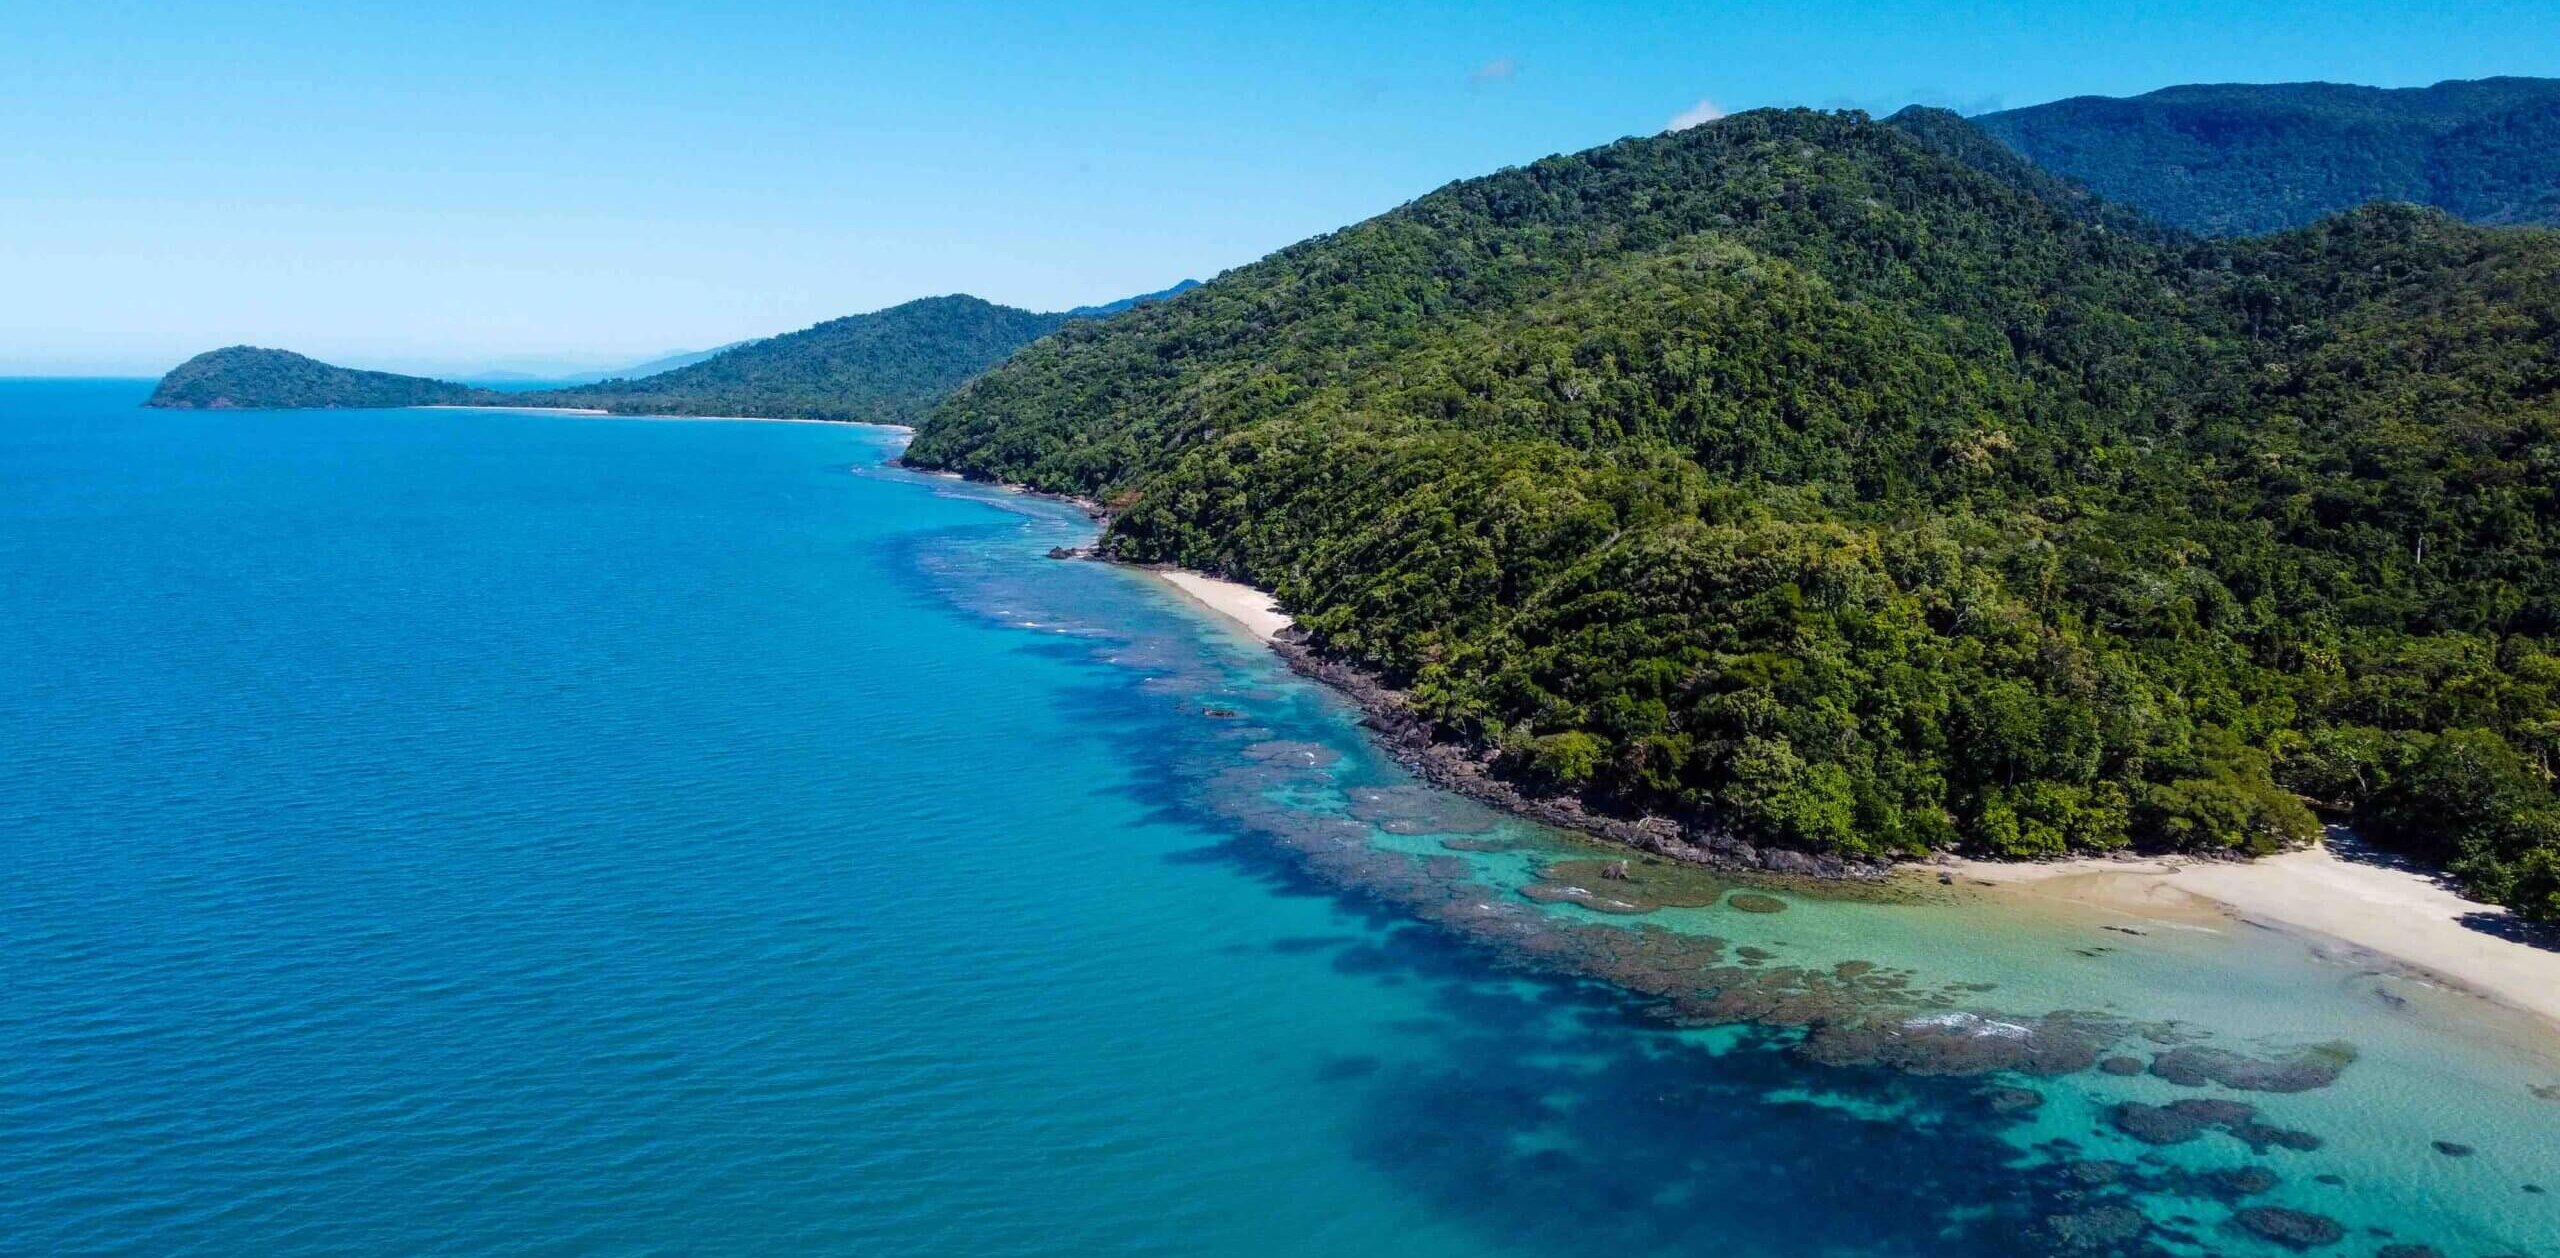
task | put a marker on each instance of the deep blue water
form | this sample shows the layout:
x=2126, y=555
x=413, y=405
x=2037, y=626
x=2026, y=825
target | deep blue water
x=472, y=832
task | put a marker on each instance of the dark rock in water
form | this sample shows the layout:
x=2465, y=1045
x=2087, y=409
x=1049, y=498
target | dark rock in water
x=1754, y=902
x=2535, y=1189
x=2241, y=1181
x=2453, y=1150
x=2547, y=1091
x=2195, y=1065
x=2334, y=1181
x=2293, y=1229
x=2181, y=1121
x=1220, y=714
x=1066, y=552
x=2007, y=1101
x=2104, y=1229
x=1749, y=955
x=2121, y=1065
x=2408, y=1251
x=2155, y=1124
x=2098, y=1174
x=1615, y=871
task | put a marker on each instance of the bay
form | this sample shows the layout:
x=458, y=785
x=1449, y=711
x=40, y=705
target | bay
x=463, y=831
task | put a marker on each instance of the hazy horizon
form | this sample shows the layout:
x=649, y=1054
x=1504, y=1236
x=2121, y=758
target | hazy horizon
x=600, y=185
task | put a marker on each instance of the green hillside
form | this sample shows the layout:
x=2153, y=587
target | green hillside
x=885, y=367
x=2238, y=158
x=1843, y=484
x=244, y=376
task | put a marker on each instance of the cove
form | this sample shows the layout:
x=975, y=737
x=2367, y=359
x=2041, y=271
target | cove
x=479, y=832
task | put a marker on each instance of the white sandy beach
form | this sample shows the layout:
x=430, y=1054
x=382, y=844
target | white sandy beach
x=2400, y=914
x=1238, y=602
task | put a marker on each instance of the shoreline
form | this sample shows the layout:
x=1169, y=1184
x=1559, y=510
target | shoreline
x=2337, y=890
x=1239, y=604
x=2397, y=914
x=595, y=413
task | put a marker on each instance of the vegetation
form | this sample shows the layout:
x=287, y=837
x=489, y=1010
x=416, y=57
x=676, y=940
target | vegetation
x=246, y=376
x=2230, y=159
x=888, y=366
x=1870, y=491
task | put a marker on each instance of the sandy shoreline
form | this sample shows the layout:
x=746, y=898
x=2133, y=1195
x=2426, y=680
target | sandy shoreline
x=1242, y=604
x=2342, y=894
x=2356, y=898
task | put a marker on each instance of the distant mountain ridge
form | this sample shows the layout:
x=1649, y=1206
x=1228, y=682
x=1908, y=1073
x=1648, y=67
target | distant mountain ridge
x=886, y=366
x=2242, y=159
x=1109, y=308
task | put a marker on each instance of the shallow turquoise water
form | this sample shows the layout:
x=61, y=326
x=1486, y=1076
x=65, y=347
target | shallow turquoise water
x=479, y=832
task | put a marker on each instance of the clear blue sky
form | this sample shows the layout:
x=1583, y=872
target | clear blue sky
x=464, y=182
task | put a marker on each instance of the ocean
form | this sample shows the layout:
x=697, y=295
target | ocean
x=494, y=833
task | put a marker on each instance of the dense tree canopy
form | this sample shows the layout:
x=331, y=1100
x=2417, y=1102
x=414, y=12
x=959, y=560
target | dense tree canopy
x=1860, y=486
x=2233, y=158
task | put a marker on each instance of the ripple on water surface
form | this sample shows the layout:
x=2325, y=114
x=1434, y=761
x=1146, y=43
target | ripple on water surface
x=448, y=831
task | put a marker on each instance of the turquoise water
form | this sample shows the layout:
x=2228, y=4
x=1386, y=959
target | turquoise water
x=472, y=832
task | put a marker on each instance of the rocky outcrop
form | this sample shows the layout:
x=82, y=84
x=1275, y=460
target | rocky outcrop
x=1416, y=744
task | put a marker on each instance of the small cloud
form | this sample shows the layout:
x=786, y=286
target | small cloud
x=1705, y=111
x=1498, y=70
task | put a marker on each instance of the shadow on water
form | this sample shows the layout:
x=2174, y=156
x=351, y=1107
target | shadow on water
x=1586, y=1089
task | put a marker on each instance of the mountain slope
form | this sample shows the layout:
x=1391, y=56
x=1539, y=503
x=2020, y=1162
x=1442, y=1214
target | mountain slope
x=1816, y=478
x=881, y=367
x=885, y=367
x=2234, y=159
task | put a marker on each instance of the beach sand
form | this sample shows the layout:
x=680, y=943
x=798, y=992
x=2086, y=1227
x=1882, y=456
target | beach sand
x=2340, y=889
x=1238, y=602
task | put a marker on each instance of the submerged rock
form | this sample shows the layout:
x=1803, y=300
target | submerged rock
x=2452, y=1149
x=2179, y=1122
x=2008, y=1101
x=2101, y=1230
x=1754, y=902
x=2121, y=1065
x=2195, y=1065
x=2293, y=1229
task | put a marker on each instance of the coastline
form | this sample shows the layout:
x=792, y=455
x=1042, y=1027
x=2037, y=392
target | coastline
x=604, y=414
x=2336, y=890
x=1247, y=608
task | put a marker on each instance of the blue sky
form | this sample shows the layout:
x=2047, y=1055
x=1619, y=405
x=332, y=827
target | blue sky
x=458, y=184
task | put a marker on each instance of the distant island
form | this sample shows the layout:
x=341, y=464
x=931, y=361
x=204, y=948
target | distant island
x=887, y=366
x=1806, y=482
x=2239, y=158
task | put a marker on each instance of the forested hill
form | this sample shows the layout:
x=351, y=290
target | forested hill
x=881, y=367
x=245, y=376
x=886, y=367
x=2233, y=159
x=1812, y=476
